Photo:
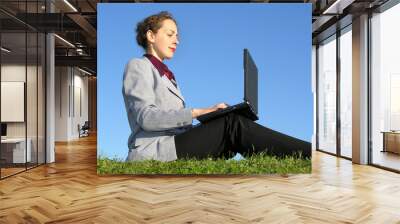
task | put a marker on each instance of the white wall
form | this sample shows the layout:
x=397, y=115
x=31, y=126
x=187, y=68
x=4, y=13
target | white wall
x=61, y=103
x=70, y=83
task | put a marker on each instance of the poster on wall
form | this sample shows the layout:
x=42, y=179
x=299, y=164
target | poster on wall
x=162, y=67
x=12, y=101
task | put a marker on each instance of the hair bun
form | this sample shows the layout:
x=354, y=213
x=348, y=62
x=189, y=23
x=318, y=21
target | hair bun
x=152, y=23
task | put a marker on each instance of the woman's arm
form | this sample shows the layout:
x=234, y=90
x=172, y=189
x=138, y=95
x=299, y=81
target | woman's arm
x=138, y=91
x=196, y=112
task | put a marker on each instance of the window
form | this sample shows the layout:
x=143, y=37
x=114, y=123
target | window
x=385, y=87
x=346, y=92
x=327, y=95
x=22, y=67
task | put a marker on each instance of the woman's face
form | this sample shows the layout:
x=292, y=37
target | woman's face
x=163, y=43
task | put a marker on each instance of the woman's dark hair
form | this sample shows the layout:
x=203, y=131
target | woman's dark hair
x=152, y=23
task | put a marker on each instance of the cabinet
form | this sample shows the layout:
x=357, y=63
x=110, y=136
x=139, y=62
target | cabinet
x=391, y=141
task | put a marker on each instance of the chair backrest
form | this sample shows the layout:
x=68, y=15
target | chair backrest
x=86, y=125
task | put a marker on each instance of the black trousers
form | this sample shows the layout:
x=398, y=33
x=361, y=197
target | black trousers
x=225, y=136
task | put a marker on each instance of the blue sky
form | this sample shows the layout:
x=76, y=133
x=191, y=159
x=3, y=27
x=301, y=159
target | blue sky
x=208, y=63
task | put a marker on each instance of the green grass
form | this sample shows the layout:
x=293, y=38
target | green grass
x=255, y=164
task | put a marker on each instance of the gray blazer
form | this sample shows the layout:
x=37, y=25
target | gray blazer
x=156, y=112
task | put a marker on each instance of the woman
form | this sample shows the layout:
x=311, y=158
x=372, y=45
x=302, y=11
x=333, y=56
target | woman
x=161, y=124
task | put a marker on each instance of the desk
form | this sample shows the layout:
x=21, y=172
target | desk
x=391, y=141
x=15, y=148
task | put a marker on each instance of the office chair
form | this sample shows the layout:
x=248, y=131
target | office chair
x=84, y=130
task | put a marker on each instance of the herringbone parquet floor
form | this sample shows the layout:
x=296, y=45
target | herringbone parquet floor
x=69, y=191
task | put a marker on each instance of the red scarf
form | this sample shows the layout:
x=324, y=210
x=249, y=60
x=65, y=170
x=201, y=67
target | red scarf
x=162, y=68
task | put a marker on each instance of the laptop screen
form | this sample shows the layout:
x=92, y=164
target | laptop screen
x=250, y=81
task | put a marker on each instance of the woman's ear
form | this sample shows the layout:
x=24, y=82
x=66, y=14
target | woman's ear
x=150, y=36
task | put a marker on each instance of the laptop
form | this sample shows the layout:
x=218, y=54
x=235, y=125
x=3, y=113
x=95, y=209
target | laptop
x=249, y=106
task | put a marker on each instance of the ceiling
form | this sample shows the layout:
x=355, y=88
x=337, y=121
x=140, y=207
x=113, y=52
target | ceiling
x=76, y=22
x=77, y=25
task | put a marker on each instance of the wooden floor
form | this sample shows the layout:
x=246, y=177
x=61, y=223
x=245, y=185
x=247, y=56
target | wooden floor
x=10, y=171
x=69, y=191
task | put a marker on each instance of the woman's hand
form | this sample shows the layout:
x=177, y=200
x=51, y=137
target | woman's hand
x=219, y=106
x=196, y=112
